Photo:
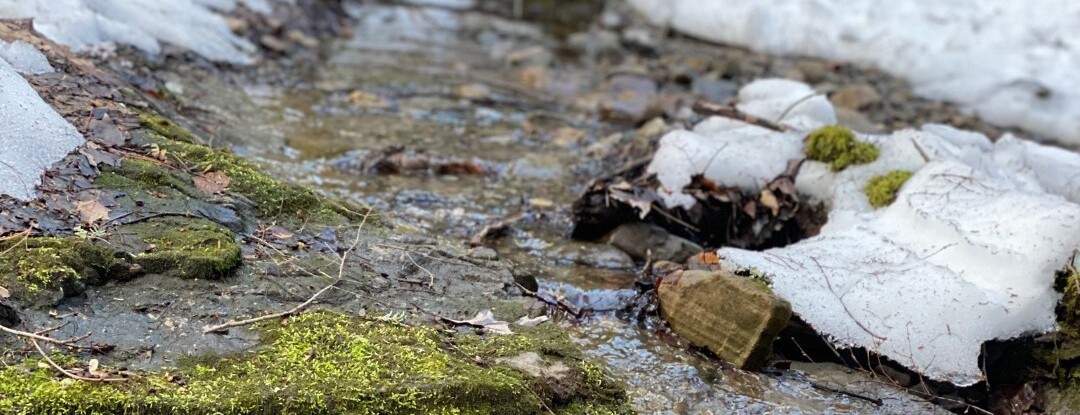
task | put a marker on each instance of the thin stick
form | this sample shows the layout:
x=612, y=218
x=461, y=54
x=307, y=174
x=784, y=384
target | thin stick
x=65, y=372
x=300, y=307
x=34, y=336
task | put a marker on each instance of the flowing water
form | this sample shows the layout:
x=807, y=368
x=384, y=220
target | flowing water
x=496, y=95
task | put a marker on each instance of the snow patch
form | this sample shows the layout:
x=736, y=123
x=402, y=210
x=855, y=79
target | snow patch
x=967, y=252
x=91, y=25
x=25, y=58
x=32, y=135
x=1012, y=62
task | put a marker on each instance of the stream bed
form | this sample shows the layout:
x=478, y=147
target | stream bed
x=447, y=121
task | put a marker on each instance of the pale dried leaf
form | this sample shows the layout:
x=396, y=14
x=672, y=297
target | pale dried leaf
x=91, y=211
x=486, y=320
x=4, y=293
x=768, y=199
x=531, y=321
x=212, y=183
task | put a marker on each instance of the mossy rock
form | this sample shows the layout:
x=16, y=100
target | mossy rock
x=837, y=146
x=274, y=198
x=183, y=247
x=147, y=176
x=881, y=190
x=39, y=271
x=328, y=363
x=165, y=127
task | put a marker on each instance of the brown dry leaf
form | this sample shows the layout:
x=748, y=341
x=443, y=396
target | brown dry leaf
x=212, y=183
x=4, y=293
x=91, y=211
x=707, y=258
x=768, y=199
x=366, y=99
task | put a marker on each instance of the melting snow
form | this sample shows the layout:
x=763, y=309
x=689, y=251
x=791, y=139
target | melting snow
x=32, y=135
x=967, y=252
x=1012, y=62
x=87, y=25
x=25, y=58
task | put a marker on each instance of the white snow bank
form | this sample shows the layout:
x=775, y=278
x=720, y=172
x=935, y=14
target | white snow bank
x=966, y=253
x=1015, y=63
x=86, y=25
x=25, y=58
x=32, y=135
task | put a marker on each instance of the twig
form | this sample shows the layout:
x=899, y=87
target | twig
x=34, y=336
x=300, y=307
x=237, y=323
x=431, y=276
x=67, y=373
x=707, y=108
x=875, y=401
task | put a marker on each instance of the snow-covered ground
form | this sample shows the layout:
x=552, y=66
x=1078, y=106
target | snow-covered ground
x=967, y=252
x=1015, y=63
x=94, y=25
x=32, y=135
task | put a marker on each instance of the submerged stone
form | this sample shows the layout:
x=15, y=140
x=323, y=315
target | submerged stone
x=735, y=317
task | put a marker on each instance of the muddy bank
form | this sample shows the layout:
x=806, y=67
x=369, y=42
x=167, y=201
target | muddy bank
x=147, y=236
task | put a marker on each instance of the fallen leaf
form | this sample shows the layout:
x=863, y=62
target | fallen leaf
x=91, y=211
x=530, y=322
x=642, y=203
x=367, y=100
x=212, y=183
x=768, y=199
x=158, y=152
x=93, y=366
x=486, y=320
x=4, y=293
x=707, y=258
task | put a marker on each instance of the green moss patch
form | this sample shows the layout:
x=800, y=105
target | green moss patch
x=147, y=176
x=184, y=247
x=325, y=363
x=881, y=190
x=38, y=271
x=165, y=127
x=837, y=146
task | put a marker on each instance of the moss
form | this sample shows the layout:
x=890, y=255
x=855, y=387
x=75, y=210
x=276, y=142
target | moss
x=148, y=176
x=318, y=363
x=165, y=127
x=37, y=270
x=837, y=146
x=185, y=247
x=882, y=190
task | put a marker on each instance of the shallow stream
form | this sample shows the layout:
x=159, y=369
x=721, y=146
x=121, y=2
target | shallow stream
x=466, y=93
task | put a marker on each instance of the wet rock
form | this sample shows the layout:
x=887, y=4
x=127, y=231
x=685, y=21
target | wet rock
x=593, y=255
x=813, y=71
x=630, y=99
x=638, y=239
x=364, y=99
x=537, y=167
x=735, y=317
x=855, y=96
x=484, y=253
x=856, y=121
x=714, y=90
x=568, y=137
x=473, y=92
